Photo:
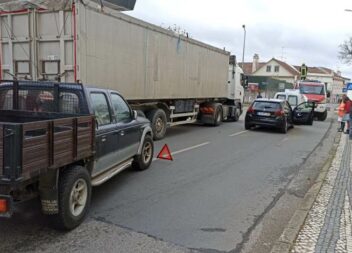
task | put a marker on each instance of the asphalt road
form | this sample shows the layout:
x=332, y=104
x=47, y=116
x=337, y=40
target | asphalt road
x=213, y=197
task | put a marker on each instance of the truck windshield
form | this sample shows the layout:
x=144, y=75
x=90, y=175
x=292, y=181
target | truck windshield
x=312, y=89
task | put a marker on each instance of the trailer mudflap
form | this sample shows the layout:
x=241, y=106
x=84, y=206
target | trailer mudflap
x=6, y=206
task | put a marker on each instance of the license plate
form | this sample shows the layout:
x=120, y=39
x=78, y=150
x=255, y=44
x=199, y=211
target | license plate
x=263, y=113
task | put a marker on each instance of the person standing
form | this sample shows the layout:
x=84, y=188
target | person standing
x=347, y=117
x=340, y=115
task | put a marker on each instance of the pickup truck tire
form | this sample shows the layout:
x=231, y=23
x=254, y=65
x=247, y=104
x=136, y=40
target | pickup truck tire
x=159, y=123
x=143, y=161
x=75, y=192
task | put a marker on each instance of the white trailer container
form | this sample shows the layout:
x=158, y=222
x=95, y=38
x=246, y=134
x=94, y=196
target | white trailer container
x=171, y=78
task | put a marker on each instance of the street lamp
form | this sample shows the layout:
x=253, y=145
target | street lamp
x=244, y=44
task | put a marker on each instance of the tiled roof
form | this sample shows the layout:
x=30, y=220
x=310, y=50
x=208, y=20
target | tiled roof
x=248, y=66
x=288, y=67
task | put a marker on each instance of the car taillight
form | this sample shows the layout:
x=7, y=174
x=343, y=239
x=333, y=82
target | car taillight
x=3, y=206
x=250, y=110
x=280, y=113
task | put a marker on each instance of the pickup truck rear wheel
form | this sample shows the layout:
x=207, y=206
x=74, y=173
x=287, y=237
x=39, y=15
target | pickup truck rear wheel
x=159, y=123
x=75, y=192
x=143, y=161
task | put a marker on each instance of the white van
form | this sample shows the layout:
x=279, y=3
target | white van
x=294, y=97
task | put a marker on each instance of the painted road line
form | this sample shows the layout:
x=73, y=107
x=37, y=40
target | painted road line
x=187, y=149
x=239, y=133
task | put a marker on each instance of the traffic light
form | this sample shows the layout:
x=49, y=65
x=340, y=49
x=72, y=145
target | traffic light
x=304, y=71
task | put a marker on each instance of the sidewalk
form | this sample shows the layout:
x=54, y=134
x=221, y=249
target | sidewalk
x=328, y=226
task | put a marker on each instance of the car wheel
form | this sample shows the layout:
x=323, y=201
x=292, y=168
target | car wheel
x=75, y=192
x=284, y=128
x=143, y=161
x=247, y=126
x=159, y=123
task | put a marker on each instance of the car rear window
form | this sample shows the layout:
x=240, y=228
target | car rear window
x=266, y=105
x=280, y=96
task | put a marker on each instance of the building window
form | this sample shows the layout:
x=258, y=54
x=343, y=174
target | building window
x=277, y=68
x=268, y=68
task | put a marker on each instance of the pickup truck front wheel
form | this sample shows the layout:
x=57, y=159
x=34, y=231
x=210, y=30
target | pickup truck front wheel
x=75, y=192
x=143, y=161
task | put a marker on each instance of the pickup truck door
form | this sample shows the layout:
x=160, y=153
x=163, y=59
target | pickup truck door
x=106, y=134
x=129, y=131
x=303, y=114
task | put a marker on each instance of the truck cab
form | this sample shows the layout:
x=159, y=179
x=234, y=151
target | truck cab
x=315, y=92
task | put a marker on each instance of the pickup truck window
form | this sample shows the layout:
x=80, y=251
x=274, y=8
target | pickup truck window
x=121, y=109
x=69, y=103
x=100, y=108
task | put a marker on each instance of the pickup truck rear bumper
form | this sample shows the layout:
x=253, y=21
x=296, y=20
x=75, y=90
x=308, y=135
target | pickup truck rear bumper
x=6, y=206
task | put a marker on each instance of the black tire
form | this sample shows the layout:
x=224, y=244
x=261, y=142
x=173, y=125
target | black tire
x=159, y=123
x=284, y=128
x=217, y=116
x=143, y=161
x=323, y=116
x=247, y=126
x=236, y=117
x=68, y=180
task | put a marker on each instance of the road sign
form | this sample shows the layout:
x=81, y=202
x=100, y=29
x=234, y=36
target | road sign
x=349, y=86
x=344, y=90
x=165, y=153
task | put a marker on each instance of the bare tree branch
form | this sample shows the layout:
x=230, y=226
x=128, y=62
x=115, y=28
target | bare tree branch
x=345, y=53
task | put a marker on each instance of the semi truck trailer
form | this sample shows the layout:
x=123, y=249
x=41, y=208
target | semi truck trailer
x=170, y=78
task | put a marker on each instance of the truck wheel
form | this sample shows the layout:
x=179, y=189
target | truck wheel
x=143, y=161
x=159, y=123
x=217, y=116
x=237, y=115
x=323, y=116
x=75, y=192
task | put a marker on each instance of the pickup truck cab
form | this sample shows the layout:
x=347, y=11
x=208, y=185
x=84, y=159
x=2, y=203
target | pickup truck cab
x=57, y=140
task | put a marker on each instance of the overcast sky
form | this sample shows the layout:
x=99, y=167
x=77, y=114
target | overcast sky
x=296, y=31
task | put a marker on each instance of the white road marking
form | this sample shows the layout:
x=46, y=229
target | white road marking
x=186, y=149
x=239, y=133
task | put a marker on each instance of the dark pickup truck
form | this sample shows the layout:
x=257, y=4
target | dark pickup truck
x=57, y=140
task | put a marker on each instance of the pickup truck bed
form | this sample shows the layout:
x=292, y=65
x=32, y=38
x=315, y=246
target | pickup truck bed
x=31, y=147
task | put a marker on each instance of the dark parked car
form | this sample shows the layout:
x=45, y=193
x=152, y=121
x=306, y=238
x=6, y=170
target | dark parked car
x=57, y=140
x=276, y=113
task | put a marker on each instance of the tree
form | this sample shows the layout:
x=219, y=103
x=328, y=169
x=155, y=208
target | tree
x=345, y=52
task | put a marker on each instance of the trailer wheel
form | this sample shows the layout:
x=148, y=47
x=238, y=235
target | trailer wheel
x=236, y=117
x=75, y=192
x=159, y=123
x=143, y=161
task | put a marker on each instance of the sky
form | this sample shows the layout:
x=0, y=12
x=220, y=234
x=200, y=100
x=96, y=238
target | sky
x=299, y=31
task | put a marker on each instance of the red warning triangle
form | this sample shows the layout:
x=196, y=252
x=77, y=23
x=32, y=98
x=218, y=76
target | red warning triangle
x=165, y=153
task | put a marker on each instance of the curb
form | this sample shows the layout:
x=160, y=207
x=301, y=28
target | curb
x=286, y=241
